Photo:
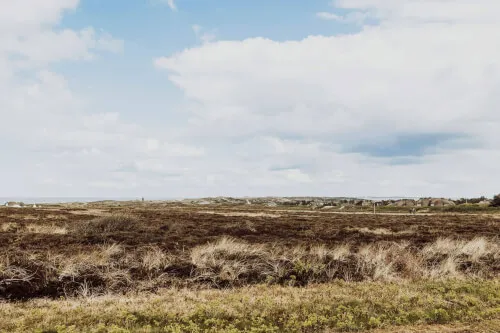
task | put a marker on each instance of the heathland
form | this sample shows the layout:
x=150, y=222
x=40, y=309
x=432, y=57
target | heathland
x=239, y=267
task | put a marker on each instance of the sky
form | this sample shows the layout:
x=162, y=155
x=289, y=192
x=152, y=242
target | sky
x=195, y=98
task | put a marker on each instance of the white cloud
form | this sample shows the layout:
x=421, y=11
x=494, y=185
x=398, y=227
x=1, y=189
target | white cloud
x=452, y=11
x=203, y=35
x=100, y=120
x=197, y=29
x=421, y=68
x=152, y=144
x=171, y=4
x=29, y=38
x=329, y=16
x=300, y=117
x=24, y=16
x=106, y=42
x=295, y=175
x=208, y=37
x=340, y=84
x=54, y=143
x=355, y=17
x=415, y=11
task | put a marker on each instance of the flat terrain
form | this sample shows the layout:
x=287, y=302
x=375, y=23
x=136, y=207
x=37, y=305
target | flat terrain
x=115, y=266
x=174, y=227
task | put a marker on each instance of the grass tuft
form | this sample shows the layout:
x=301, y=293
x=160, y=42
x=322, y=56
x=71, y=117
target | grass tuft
x=107, y=225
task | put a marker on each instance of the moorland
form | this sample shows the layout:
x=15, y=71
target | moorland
x=236, y=267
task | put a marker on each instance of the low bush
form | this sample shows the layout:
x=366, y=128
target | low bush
x=107, y=224
x=496, y=201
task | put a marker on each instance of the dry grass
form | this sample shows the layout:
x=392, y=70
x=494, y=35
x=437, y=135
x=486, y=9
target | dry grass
x=228, y=261
x=474, y=249
x=98, y=271
x=45, y=229
x=380, y=231
x=9, y=227
x=388, y=262
x=452, y=257
x=57, y=217
x=33, y=228
x=155, y=261
x=166, y=270
x=483, y=326
x=232, y=263
x=240, y=227
x=107, y=225
x=240, y=214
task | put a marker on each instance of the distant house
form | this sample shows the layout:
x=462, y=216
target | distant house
x=441, y=203
x=434, y=202
x=425, y=202
x=14, y=204
x=404, y=203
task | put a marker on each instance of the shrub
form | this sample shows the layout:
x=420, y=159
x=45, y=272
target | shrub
x=24, y=275
x=107, y=225
x=496, y=201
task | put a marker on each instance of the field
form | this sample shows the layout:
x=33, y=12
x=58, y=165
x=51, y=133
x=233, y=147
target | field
x=170, y=267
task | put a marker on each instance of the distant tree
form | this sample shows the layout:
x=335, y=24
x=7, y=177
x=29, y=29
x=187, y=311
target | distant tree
x=496, y=201
x=477, y=200
x=470, y=200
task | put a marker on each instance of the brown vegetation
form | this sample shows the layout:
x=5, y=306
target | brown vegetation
x=66, y=251
x=231, y=263
x=106, y=225
x=173, y=228
x=105, y=251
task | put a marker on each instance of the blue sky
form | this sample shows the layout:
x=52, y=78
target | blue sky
x=199, y=98
x=152, y=29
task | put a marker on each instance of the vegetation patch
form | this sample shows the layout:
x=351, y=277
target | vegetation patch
x=338, y=306
x=166, y=268
x=107, y=225
x=229, y=262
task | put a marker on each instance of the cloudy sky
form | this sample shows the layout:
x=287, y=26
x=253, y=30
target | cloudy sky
x=191, y=98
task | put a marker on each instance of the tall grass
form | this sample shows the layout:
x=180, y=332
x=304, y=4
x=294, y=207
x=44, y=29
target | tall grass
x=233, y=263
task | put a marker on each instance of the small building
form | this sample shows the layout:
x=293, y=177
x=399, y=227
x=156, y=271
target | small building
x=14, y=204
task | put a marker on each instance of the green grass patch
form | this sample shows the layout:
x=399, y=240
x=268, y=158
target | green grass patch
x=338, y=306
x=466, y=208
